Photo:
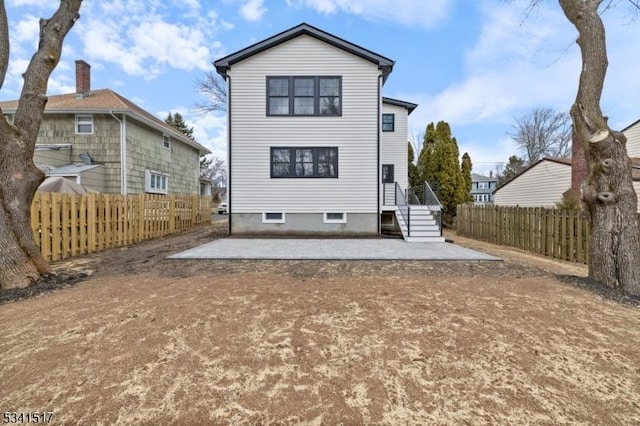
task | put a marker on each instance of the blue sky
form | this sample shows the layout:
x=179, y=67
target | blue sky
x=474, y=63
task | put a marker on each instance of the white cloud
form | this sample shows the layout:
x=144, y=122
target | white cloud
x=26, y=30
x=253, y=10
x=145, y=45
x=418, y=13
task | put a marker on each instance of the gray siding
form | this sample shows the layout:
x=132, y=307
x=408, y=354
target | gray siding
x=144, y=151
x=355, y=133
x=51, y=156
x=540, y=186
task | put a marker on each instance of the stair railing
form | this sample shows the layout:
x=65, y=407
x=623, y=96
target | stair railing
x=424, y=195
x=403, y=206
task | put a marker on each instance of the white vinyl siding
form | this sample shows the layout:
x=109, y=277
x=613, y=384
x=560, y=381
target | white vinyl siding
x=540, y=186
x=393, y=149
x=633, y=140
x=354, y=133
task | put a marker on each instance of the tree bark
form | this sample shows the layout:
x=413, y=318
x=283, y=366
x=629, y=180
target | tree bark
x=21, y=262
x=614, y=257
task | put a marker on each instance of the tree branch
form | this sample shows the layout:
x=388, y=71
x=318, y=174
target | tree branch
x=4, y=43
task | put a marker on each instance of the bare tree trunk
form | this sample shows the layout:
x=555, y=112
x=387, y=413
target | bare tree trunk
x=614, y=257
x=20, y=259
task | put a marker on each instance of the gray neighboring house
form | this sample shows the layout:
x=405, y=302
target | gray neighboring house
x=101, y=140
x=482, y=188
x=313, y=146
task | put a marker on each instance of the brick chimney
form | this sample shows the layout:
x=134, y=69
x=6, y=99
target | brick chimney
x=83, y=78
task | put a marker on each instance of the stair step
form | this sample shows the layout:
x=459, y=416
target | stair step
x=424, y=239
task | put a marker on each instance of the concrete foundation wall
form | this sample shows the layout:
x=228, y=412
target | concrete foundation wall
x=305, y=224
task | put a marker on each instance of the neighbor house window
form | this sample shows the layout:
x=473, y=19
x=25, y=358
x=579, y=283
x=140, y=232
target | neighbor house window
x=156, y=182
x=483, y=185
x=166, y=141
x=273, y=217
x=312, y=162
x=388, y=122
x=84, y=124
x=304, y=96
x=335, y=218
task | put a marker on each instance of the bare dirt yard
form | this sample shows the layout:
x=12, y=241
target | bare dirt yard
x=144, y=340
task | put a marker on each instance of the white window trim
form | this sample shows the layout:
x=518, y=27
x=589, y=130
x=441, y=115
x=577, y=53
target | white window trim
x=167, y=138
x=84, y=116
x=147, y=182
x=265, y=220
x=327, y=220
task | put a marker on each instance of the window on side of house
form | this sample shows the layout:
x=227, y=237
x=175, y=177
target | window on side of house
x=156, y=182
x=335, y=217
x=304, y=96
x=304, y=162
x=483, y=185
x=166, y=141
x=273, y=217
x=388, y=122
x=84, y=124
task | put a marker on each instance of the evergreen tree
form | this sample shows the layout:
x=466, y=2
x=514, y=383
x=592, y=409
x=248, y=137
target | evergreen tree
x=177, y=122
x=467, y=166
x=439, y=165
x=414, y=173
x=514, y=166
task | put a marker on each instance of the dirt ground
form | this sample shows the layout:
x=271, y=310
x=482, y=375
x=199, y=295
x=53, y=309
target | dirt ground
x=145, y=339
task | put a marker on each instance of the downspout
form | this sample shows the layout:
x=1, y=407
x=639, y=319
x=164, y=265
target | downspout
x=123, y=153
x=378, y=173
x=229, y=204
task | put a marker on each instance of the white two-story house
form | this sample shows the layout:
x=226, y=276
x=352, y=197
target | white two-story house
x=313, y=146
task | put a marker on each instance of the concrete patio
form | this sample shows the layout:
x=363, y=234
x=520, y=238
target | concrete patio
x=330, y=249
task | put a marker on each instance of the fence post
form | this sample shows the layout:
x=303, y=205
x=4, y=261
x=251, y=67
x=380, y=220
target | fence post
x=172, y=212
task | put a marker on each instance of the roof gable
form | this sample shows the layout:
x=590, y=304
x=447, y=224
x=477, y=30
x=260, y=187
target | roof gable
x=408, y=105
x=106, y=101
x=557, y=160
x=223, y=64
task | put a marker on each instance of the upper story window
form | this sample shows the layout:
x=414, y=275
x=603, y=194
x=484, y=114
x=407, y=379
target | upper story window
x=304, y=162
x=483, y=185
x=84, y=124
x=166, y=141
x=304, y=96
x=388, y=122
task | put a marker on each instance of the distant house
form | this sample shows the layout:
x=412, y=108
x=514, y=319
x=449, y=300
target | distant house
x=102, y=140
x=539, y=185
x=314, y=147
x=482, y=188
x=632, y=132
x=543, y=183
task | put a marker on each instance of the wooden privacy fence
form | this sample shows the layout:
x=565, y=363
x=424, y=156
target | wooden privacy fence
x=561, y=234
x=66, y=225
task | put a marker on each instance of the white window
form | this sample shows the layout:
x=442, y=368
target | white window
x=166, y=141
x=483, y=185
x=84, y=124
x=273, y=217
x=335, y=217
x=156, y=182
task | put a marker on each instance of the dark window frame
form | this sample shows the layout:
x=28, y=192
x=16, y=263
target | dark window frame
x=393, y=123
x=317, y=96
x=315, y=151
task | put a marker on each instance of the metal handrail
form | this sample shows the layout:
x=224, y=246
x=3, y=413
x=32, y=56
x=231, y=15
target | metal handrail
x=403, y=206
x=424, y=195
